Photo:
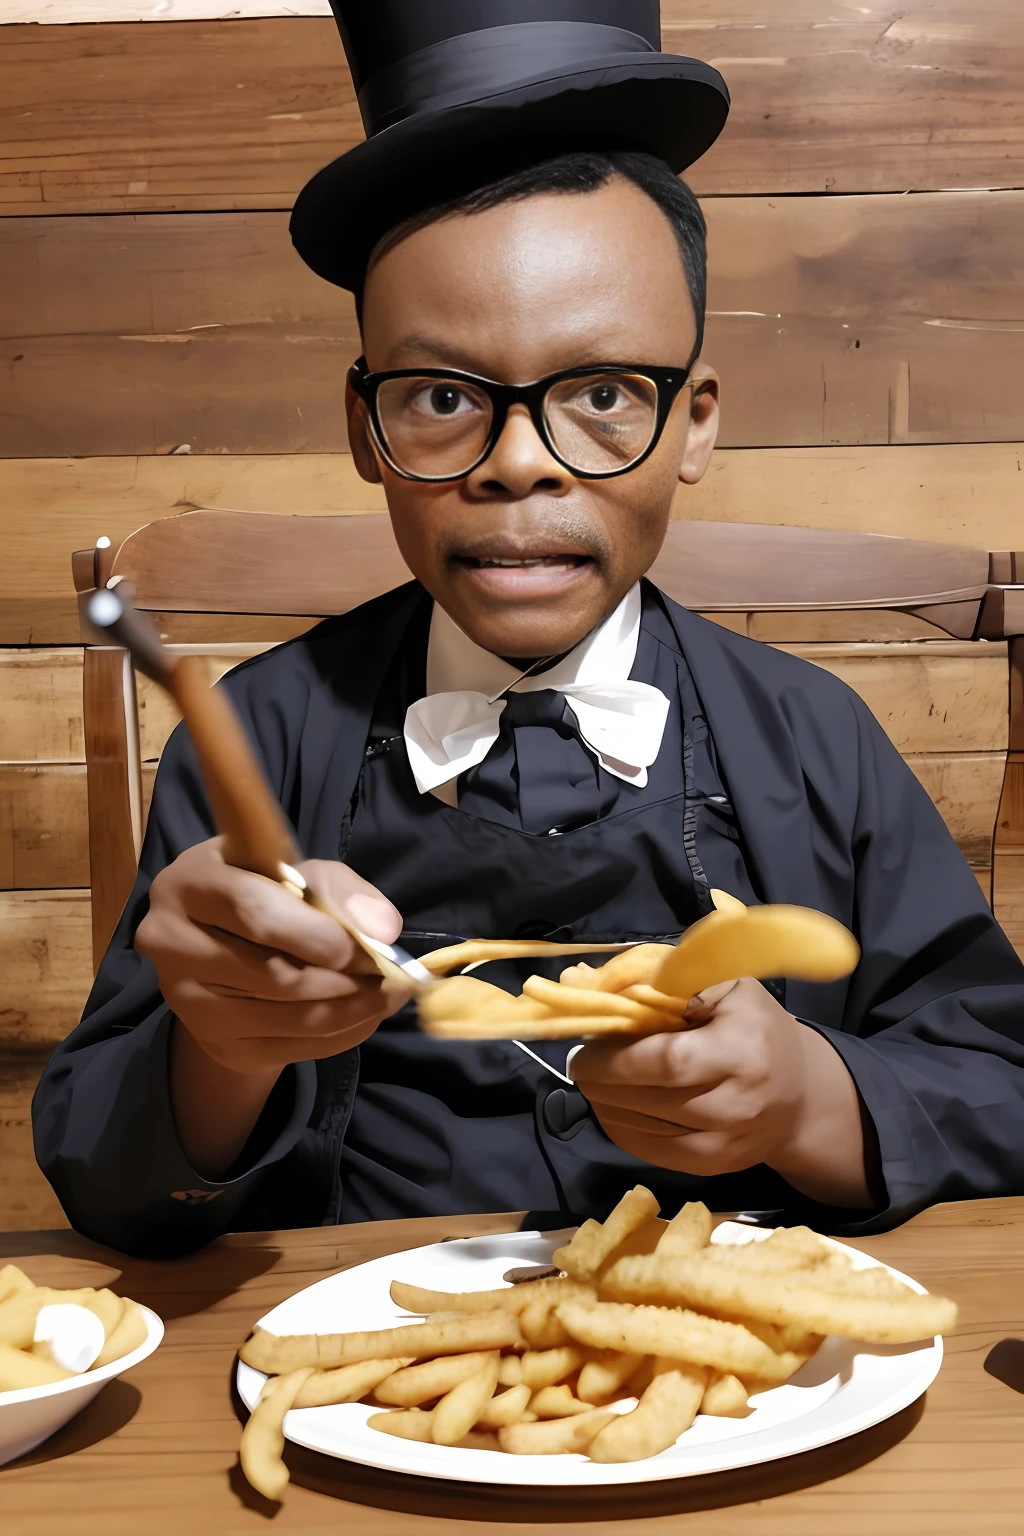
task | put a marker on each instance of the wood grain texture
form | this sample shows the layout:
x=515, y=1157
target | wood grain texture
x=860, y=320
x=165, y=1442
x=965, y=494
x=26, y=1199
x=194, y=115
x=45, y=967
x=44, y=841
x=941, y=696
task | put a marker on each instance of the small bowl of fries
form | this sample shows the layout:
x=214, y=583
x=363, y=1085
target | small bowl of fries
x=58, y=1349
x=639, y=1349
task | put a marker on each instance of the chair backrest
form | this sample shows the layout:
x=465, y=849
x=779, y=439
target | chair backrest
x=217, y=562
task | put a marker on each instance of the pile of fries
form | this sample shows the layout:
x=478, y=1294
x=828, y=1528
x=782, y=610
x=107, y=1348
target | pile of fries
x=24, y=1362
x=644, y=990
x=642, y=1325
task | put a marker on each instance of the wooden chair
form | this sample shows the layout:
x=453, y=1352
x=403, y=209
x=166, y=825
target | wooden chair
x=782, y=583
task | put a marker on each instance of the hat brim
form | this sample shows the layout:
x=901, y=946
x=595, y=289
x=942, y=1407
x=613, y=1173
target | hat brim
x=660, y=104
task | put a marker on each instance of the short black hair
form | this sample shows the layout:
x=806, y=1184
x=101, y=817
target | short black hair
x=583, y=171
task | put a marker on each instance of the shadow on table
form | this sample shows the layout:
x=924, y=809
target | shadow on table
x=409, y=1495
x=171, y=1287
x=108, y=1412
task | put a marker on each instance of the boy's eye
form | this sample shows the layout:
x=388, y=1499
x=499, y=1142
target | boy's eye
x=603, y=397
x=441, y=399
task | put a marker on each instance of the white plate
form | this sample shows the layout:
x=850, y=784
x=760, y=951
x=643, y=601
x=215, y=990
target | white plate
x=845, y=1388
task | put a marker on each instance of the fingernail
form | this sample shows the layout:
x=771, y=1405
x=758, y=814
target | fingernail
x=570, y=1059
x=375, y=916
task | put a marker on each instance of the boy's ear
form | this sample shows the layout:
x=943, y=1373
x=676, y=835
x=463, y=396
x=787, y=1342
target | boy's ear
x=360, y=441
x=703, y=428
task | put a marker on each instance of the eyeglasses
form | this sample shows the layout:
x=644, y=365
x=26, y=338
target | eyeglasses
x=597, y=421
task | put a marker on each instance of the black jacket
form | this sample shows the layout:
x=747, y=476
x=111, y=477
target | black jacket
x=931, y=1024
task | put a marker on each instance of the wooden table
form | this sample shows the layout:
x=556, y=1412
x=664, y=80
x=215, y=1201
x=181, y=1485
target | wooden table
x=157, y=1451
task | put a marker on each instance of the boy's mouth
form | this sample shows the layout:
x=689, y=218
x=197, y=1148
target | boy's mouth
x=525, y=577
x=525, y=563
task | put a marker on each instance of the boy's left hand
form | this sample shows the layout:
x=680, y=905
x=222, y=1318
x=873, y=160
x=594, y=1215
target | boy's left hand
x=745, y=1083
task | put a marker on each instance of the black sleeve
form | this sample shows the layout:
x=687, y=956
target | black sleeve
x=104, y=1128
x=934, y=1028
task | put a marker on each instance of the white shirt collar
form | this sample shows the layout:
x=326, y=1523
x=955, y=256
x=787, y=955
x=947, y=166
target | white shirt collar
x=453, y=727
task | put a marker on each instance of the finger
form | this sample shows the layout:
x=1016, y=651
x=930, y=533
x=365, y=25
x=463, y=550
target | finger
x=703, y=1153
x=689, y=1058
x=211, y=1017
x=264, y=913
x=703, y=1004
x=725, y=1106
x=706, y=1002
x=236, y=967
x=355, y=898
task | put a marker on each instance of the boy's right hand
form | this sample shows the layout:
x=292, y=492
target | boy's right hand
x=258, y=978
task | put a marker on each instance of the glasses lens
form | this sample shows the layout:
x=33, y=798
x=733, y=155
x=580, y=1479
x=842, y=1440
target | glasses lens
x=602, y=422
x=433, y=427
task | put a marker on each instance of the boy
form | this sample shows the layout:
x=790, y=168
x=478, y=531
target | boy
x=531, y=740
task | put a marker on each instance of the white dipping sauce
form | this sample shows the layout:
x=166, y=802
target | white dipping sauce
x=70, y=1335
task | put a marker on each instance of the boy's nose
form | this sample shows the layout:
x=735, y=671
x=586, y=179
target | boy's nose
x=519, y=463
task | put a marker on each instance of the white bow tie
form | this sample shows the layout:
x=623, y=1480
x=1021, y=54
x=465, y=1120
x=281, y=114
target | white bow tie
x=621, y=723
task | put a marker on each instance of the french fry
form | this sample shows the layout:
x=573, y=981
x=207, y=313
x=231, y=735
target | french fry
x=347, y=1384
x=262, y=1447
x=19, y=1369
x=594, y=1241
x=276, y=1354
x=584, y=976
x=108, y=1308
x=554, y=1437
x=130, y=1334
x=407, y=1423
x=557, y=1403
x=510, y=1371
x=759, y=942
x=455, y=957
x=541, y=1328
x=510, y=1298
x=457, y=1412
x=573, y=1000
x=539, y=1026
x=603, y=1377
x=687, y=1232
x=643, y=1239
x=661, y=1002
x=419, y=1384
x=726, y=903
x=475, y=1001
x=790, y=1298
x=544, y=1368
x=634, y=967
x=677, y=1335
x=505, y=1408
x=666, y=1410
x=725, y=1397
x=14, y=1282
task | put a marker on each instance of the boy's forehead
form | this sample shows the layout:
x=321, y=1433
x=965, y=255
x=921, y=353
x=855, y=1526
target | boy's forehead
x=591, y=268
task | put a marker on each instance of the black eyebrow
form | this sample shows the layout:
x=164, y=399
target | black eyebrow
x=442, y=351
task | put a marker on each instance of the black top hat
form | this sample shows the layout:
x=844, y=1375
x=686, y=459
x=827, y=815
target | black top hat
x=454, y=93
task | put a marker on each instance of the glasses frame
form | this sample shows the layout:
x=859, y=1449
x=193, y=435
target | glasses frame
x=669, y=383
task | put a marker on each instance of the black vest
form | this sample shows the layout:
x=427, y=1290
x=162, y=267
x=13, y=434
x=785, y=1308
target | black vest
x=453, y=1126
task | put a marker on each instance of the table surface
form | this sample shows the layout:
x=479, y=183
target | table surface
x=157, y=1451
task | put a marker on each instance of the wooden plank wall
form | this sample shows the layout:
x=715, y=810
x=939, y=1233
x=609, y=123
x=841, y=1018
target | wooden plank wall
x=162, y=348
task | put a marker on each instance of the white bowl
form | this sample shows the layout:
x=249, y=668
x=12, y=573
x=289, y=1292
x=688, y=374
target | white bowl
x=30, y=1416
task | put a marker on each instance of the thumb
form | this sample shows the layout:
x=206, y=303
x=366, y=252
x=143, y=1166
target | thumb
x=702, y=1005
x=353, y=898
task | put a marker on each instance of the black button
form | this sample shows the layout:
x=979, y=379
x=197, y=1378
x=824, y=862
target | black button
x=565, y=1112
